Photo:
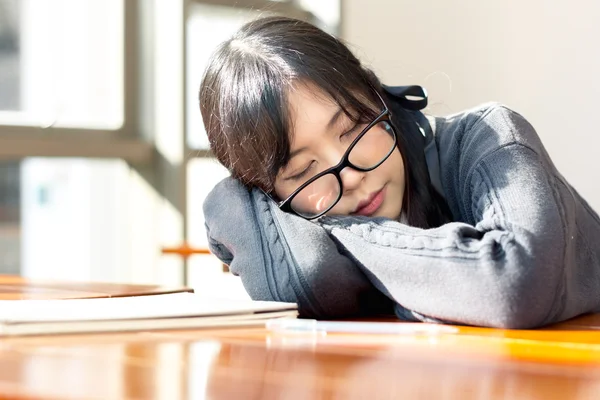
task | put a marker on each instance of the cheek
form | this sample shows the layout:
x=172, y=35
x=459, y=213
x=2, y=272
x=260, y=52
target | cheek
x=279, y=191
x=396, y=193
x=394, y=168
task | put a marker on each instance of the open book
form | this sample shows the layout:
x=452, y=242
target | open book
x=150, y=312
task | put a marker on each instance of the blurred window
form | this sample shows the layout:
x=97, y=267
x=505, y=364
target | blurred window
x=61, y=63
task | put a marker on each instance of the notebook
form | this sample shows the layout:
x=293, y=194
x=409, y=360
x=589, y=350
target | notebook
x=137, y=313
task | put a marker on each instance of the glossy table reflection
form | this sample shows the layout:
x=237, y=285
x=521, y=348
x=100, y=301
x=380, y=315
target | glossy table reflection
x=560, y=362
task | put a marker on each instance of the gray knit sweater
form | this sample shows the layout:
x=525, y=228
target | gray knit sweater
x=524, y=250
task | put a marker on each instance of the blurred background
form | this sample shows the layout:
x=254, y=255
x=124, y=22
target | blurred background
x=103, y=158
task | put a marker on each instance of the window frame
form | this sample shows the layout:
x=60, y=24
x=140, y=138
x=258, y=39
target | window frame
x=136, y=141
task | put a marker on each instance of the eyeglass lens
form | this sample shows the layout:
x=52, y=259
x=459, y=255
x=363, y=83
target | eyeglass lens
x=322, y=194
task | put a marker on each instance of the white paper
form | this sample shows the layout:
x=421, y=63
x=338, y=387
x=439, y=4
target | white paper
x=137, y=307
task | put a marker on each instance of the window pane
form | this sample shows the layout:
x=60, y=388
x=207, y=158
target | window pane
x=10, y=226
x=59, y=218
x=71, y=212
x=84, y=220
x=61, y=62
x=92, y=220
x=9, y=55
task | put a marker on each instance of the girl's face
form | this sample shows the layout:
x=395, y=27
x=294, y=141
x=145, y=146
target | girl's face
x=321, y=134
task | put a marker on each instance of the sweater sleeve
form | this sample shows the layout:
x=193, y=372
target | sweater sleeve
x=282, y=257
x=503, y=270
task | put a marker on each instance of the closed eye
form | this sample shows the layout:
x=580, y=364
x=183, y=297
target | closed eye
x=301, y=174
x=353, y=132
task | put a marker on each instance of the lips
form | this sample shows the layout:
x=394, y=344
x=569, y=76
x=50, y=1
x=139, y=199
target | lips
x=371, y=204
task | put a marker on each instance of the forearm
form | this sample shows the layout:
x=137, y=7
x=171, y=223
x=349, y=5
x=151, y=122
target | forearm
x=490, y=281
x=283, y=257
x=507, y=270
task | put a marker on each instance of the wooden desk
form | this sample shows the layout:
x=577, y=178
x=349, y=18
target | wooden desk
x=561, y=362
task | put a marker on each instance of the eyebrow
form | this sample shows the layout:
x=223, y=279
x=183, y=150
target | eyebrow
x=334, y=119
x=296, y=152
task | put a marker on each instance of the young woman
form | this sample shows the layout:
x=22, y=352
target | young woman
x=346, y=199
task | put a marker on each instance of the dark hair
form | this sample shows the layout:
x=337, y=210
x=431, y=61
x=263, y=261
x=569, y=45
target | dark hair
x=246, y=116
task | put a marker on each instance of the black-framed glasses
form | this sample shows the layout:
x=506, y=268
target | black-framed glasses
x=367, y=151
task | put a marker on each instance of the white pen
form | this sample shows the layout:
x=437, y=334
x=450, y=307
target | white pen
x=284, y=325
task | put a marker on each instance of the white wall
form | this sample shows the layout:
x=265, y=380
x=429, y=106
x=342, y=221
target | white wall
x=539, y=57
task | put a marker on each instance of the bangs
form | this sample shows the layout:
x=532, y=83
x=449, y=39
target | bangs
x=262, y=122
x=246, y=118
x=359, y=104
x=358, y=100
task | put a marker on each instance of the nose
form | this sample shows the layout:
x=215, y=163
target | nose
x=351, y=178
